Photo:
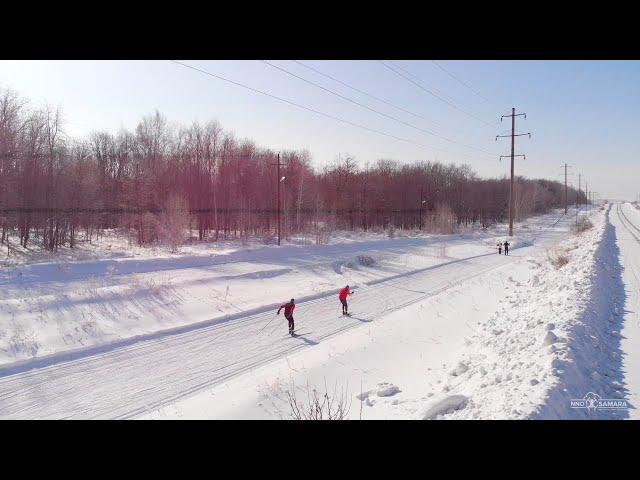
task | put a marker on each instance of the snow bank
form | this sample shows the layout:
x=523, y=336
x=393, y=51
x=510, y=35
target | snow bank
x=553, y=339
x=384, y=389
x=590, y=359
x=444, y=406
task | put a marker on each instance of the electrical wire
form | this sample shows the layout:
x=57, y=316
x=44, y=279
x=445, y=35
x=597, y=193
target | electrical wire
x=429, y=132
x=318, y=112
x=396, y=69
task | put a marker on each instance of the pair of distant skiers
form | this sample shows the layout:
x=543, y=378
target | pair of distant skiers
x=506, y=247
x=290, y=306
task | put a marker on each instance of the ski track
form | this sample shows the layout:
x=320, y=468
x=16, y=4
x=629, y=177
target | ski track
x=628, y=240
x=130, y=380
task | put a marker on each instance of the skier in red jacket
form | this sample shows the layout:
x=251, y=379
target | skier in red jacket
x=288, y=313
x=343, y=299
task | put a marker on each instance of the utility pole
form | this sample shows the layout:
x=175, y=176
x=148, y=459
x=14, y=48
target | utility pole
x=579, y=187
x=578, y=197
x=279, y=181
x=565, y=188
x=513, y=155
x=421, y=204
x=586, y=195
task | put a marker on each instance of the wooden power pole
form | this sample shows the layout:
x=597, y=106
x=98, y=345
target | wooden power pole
x=421, y=205
x=565, y=188
x=579, y=190
x=513, y=155
x=578, y=196
x=586, y=195
x=279, y=181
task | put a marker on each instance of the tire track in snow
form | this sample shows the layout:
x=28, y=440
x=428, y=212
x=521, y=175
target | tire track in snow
x=625, y=222
x=628, y=223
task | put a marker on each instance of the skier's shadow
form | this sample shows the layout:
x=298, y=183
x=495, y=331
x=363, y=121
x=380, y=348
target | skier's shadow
x=361, y=319
x=307, y=341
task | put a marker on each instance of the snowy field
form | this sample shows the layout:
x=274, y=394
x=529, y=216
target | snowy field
x=91, y=311
x=441, y=327
x=75, y=302
x=491, y=345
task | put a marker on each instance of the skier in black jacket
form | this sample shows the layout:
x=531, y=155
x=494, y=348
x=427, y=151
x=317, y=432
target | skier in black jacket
x=506, y=247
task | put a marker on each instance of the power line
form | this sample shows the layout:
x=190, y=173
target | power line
x=435, y=90
x=460, y=81
x=373, y=109
x=451, y=104
x=450, y=101
x=376, y=111
x=318, y=112
x=373, y=96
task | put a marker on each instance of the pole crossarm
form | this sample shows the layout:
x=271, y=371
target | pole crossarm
x=514, y=115
x=514, y=135
x=509, y=156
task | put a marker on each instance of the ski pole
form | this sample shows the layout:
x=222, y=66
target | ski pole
x=267, y=323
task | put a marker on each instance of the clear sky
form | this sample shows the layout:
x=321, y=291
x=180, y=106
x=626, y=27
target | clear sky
x=584, y=113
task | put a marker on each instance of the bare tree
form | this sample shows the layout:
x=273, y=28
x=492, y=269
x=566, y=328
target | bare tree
x=174, y=221
x=52, y=187
x=319, y=405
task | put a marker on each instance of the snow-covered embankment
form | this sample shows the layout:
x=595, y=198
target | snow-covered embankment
x=554, y=338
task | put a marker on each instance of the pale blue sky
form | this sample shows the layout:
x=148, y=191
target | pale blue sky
x=580, y=112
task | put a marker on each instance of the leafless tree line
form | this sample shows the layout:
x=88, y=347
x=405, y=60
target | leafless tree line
x=158, y=181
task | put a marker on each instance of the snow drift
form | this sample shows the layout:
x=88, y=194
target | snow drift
x=555, y=338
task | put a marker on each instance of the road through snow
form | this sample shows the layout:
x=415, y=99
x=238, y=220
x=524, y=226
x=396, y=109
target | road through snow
x=130, y=380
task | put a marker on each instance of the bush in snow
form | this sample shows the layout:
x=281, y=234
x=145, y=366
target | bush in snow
x=174, y=220
x=391, y=232
x=558, y=258
x=365, y=260
x=582, y=225
x=323, y=235
x=318, y=405
x=269, y=239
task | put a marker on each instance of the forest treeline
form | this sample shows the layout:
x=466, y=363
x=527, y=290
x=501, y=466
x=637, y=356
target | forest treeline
x=158, y=181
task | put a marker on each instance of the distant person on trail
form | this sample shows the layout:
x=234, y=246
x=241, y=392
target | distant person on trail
x=499, y=248
x=506, y=247
x=343, y=299
x=288, y=314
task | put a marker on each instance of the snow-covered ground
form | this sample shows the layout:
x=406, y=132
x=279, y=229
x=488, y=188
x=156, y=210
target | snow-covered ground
x=48, y=311
x=57, y=306
x=441, y=327
x=496, y=345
